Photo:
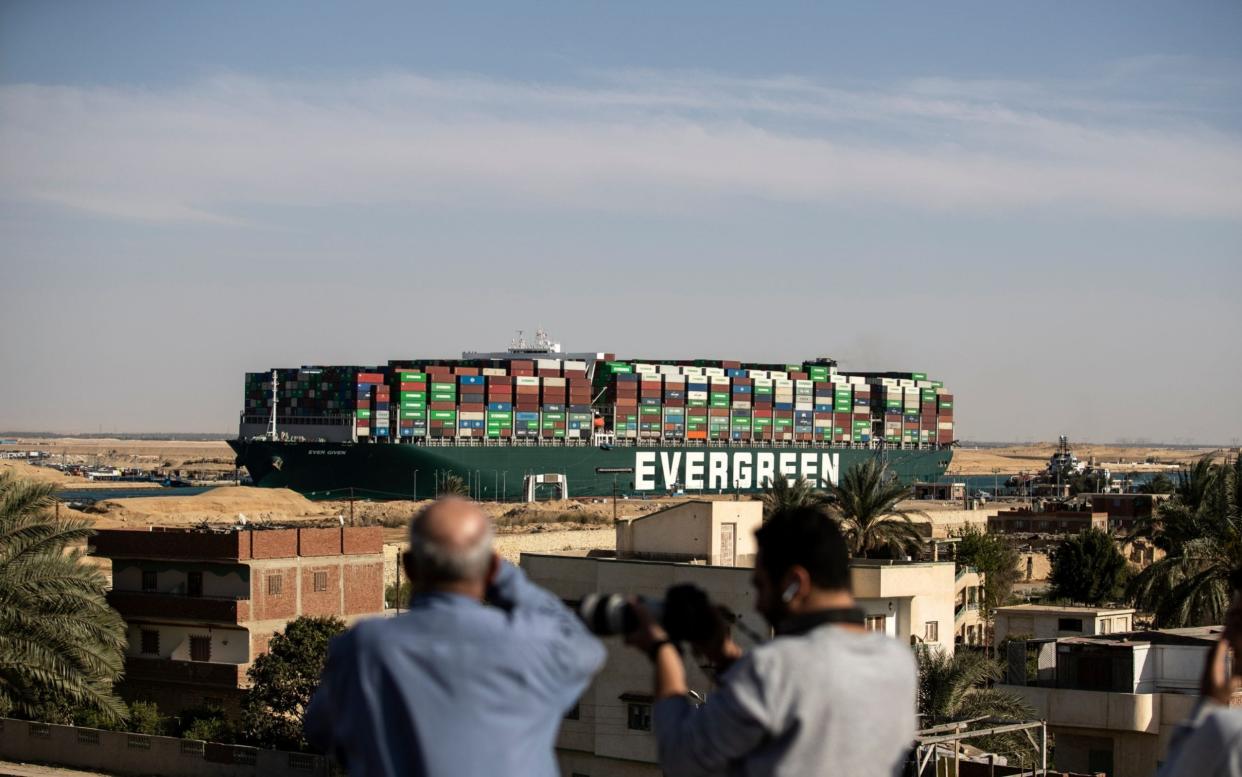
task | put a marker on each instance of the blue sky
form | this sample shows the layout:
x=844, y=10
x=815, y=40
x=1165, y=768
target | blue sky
x=1038, y=203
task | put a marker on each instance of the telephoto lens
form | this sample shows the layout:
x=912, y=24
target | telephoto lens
x=610, y=614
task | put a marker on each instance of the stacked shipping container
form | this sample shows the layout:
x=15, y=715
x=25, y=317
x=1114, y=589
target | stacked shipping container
x=644, y=401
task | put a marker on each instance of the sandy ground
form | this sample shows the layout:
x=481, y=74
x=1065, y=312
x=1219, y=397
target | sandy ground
x=1033, y=458
x=215, y=455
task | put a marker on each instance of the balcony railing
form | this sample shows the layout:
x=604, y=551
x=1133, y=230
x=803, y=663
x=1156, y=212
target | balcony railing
x=148, y=604
x=167, y=670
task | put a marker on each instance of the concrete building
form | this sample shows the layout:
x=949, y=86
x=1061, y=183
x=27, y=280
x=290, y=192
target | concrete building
x=1050, y=522
x=708, y=532
x=1040, y=621
x=609, y=733
x=1112, y=701
x=200, y=605
x=944, y=492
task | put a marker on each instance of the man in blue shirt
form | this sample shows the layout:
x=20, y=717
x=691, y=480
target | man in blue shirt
x=473, y=680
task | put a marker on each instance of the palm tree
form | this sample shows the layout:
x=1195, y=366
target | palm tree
x=1200, y=531
x=452, y=484
x=865, y=501
x=783, y=495
x=956, y=687
x=61, y=645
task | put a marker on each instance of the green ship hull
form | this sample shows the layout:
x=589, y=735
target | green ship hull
x=402, y=471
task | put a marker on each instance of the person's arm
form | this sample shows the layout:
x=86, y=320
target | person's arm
x=705, y=740
x=573, y=654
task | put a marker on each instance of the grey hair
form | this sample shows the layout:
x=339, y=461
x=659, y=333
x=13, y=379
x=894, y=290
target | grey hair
x=437, y=563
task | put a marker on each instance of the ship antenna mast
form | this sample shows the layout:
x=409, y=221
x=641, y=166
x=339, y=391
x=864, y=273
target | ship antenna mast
x=271, y=424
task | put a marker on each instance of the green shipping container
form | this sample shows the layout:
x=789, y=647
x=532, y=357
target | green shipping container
x=918, y=376
x=364, y=413
x=443, y=415
x=444, y=387
x=412, y=377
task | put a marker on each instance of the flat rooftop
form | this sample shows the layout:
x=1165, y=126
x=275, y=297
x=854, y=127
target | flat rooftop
x=1066, y=609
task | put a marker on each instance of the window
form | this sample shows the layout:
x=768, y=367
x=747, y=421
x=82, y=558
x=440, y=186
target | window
x=931, y=631
x=1069, y=624
x=148, y=580
x=194, y=584
x=275, y=584
x=876, y=622
x=200, y=648
x=321, y=581
x=638, y=717
x=150, y=642
x=1106, y=625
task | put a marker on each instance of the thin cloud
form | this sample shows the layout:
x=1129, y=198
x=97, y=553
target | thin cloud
x=627, y=141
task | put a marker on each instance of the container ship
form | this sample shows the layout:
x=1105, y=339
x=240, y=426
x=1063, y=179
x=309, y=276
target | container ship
x=512, y=424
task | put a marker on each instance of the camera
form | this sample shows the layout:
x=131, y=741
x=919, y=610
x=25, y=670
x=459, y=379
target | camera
x=686, y=614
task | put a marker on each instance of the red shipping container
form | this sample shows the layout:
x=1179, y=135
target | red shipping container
x=442, y=405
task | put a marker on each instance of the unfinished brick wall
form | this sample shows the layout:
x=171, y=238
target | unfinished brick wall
x=328, y=601
x=363, y=540
x=319, y=542
x=265, y=606
x=364, y=587
x=275, y=543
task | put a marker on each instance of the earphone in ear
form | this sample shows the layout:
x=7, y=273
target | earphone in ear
x=790, y=592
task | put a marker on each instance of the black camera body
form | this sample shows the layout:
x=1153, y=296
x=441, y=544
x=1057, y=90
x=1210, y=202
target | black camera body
x=686, y=613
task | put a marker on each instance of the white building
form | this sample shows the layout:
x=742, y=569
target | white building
x=1041, y=621
x=1112, y=701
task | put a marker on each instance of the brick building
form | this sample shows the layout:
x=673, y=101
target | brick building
x=1049, y=522
x=201, y=605
x=1125, y=509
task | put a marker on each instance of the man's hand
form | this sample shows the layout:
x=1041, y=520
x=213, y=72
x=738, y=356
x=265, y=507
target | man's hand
x=720, y=649
x=649, y=632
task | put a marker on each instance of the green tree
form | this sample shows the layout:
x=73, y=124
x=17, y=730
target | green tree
x=995, y=559
x=1200, y=531
x=208, y=723
x=283, y=679
x=866, y=503
x=781, y=494
x=61, y=645
x=143, y=717
x=1088, y=568
x=453, y=485
x=1160, y=484
x=956, y=687
x=394, y=595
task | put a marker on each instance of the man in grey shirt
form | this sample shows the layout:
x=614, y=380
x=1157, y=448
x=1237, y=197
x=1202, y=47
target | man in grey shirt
x=824, y=697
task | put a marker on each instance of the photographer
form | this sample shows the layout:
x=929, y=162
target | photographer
x=473, y=679
x=824, y=697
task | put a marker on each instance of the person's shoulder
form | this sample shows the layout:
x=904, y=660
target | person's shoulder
x=1225, y=723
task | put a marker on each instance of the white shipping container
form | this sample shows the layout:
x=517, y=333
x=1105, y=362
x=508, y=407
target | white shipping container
x=547, y=364
x=757, y=374
x=720, y=380
x=741, y=404
x=576, y=366
x=553, y=381
x=495, y=371
x=778, y=375
x=713, y=371
x=783, y=383
x=763, y=383
x=945, y=425
x=524, y=380
x=667, y=369
x=647, y=368
x=473, y=415
x=696, y=395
